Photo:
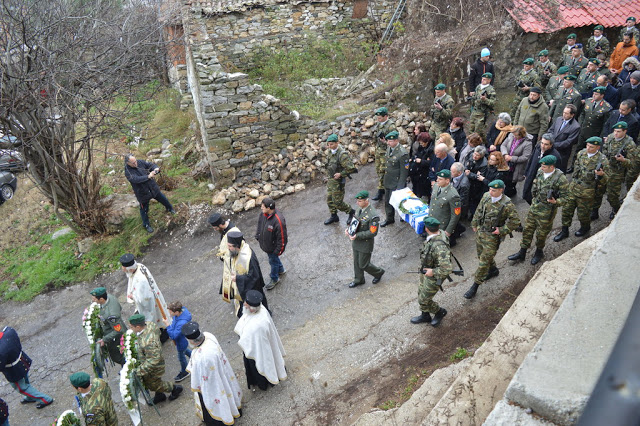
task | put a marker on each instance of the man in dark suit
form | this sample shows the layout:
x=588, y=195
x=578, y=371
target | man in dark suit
x=461, y=183
x=544, y=148
x=631, y=89
x=624, y=113
x=611, y=95
x=565, y=131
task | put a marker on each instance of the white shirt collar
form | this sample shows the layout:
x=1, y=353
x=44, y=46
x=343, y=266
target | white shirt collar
x=496, y=199
x=591, y=155
x=546, y=175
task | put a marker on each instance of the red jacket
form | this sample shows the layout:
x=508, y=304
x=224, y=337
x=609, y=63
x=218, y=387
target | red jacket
x=272, y=233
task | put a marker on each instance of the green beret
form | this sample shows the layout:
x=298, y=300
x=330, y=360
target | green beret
x=528, y=61
x=487, y=75
x=598, y=27
x=621, y=125
x=137, y=319
x=98, y=292
x=600, y=89
x=572, y=35
x=594, y=140
x=595, y=61
x=440, y=87
x=80, y=380
x=382, y=111
x=544, y=52
x=332, y=138
x=444, y=173
x=362, y=195
x=570, y=77
x=548, y=160
x=563, y=69
x=498, y=184
x=392, y=135
x=431, y=222
x=631, y=18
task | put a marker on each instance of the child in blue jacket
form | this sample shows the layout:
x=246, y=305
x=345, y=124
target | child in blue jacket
x=179, y=317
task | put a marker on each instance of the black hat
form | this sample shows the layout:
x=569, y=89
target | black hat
x=269, y=203
x=235, y=238
x=191, y=330
x=253, y=298
x=127, y=260
x=215, y=219
x=535, y=90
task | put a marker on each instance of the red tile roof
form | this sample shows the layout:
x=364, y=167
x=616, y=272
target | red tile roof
x=539, y=16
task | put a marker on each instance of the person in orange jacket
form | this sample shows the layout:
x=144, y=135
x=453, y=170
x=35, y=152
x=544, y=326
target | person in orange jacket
x=626, y=48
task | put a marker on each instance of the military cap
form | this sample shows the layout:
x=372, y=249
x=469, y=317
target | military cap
x=594, y=140
x=595, y=61
x=235, y=238
x=444, y=173
x=535, y=90
x=431, y=223
x=528, y=61
x=543, y=52
x=570, y=77
x=99, y=292
x=621, y=125
x=572, y=35
x=215, y=219
x=497, y=184
x=334, y=138
x=487, y=75
x=440, y=86
x=598, y=27
x=485, y=52
x=548, y=160
x=127, y=260
x=563, y=69
x=382, y=111
x=392, y=135
x=631, y=18
x=253, y=298
x=577, y=46
x=80, y=380
x=137, y=319
x=191, y=330
x=362, y=195
x=600, y=89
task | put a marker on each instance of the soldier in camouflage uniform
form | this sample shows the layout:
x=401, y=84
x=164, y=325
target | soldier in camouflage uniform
x=594, y=114
x=494, y=219
x=568, y=94
x=362, y=241
x=339, y=168
x=483, y=100
x=565, y=52
x=597, y=43
x=554, y=84
x=111, y=322
x=588, y=174
x=383, y=128
x=95, y=400
x=151, y=363
x=435, y=260
x=588, y=76
x=527, y=79
x=630, y=26
x=550, y=189
x=545, y=68
x=441, y=112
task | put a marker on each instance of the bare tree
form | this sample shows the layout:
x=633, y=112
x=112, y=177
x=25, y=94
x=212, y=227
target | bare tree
x=68, y=71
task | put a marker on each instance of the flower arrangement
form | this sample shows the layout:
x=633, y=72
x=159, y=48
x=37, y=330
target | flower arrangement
x=127, y=389
x=91, y=326
x=413, y=206
x=67, y=418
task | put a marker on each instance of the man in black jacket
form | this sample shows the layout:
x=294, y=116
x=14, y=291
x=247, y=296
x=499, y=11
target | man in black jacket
x=544, y=148
x=481, y=66
x=141, y=175
x=624, y=113
x=565, y=131
x=631, y=90
x=273, y=238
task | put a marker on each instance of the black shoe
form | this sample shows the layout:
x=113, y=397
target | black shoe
x=27, y=401
x=470, y=294
x=521, y=255
x=379, y=195
x=537, y=256
x=164, y=335
x=569, y=171
x=172, y=211
x=148, y=228
x=493, y=272
x=612, y=215
x=438, y=317
x=423, y=317
x=377, y=279
x=181, y=376
x=175, y=392
x=353, y=284
x=564, y=233
x=159, y=397
x=43, y=404
x=582, y=231
x=594, y=214
x=333, y=219
x=351, y=213
x=387, y=222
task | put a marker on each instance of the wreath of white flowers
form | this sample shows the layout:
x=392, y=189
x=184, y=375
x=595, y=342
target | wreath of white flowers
x=127, y=390
x=91, y=326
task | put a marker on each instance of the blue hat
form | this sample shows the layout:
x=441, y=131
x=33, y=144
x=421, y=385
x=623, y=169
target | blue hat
x=485, y=52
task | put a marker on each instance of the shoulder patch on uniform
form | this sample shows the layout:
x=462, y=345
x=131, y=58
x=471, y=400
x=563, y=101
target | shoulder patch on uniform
x=113, y=319
x=89, y=418
x=457, y=208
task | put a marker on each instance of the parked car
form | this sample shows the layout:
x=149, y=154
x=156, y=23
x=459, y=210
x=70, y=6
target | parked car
x=8, y=185
x=11, y=160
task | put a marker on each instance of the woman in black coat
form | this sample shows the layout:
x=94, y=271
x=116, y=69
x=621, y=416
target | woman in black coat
x=419, y=166
x=497, y=168
x=475, y=167
x=458, y=135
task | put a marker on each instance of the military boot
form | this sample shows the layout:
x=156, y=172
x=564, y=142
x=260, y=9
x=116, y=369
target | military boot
x=379, y=195
x=333, y=219
x=351, y=213
x=438, y=317
x=493, y=272
x=519, y=255
x=582, y=231
x=613, y=214
x=470, y=294
x=423, y=317
x=159, y=397
x=537, y=256
x=564, y=233
x=594, y=214
x=175, y=392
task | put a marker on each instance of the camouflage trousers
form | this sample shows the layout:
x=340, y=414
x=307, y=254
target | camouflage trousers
x=426, y=291
x=478, y=123
x=436, y=129
x=335, y=197
x=583, y=201
x=487, y=245
x=381, y=165
x=614, y=186
x=539, y=221
x=632, y=175
x=153, y=381
x=361, y=264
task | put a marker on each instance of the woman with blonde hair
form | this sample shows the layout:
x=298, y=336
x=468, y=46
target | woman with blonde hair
x=446, y=139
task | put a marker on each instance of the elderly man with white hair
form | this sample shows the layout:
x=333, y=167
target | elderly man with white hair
x=441, y=161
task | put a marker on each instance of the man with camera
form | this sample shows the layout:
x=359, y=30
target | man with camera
x=545, y=68
x=483, y=100
x=527, y=79
x=441, y=112
x=597, y=43
x=141, y=175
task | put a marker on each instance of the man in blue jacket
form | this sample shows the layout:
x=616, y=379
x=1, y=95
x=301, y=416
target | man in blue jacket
x=141, y=175
x=179, y=317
